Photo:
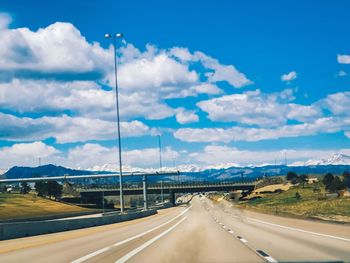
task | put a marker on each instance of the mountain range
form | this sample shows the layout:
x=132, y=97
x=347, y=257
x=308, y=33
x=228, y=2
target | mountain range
x=336, y=164
x=336, y=159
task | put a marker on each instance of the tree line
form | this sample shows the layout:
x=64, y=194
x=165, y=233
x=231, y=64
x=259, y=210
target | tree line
x=332, y=183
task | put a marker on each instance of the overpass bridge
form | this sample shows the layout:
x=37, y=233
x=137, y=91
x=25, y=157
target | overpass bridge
x=96, y=194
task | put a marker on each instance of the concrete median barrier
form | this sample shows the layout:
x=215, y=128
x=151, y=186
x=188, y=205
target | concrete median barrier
x=32, y=228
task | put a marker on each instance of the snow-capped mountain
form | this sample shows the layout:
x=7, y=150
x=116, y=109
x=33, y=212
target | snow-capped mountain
x=3, y=171
x=182, y=168
x=336, y=159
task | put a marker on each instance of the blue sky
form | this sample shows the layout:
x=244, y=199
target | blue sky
x=225, y=82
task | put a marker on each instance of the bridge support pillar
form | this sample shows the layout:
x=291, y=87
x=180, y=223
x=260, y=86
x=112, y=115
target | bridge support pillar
x=145, y=199
x=172, y=197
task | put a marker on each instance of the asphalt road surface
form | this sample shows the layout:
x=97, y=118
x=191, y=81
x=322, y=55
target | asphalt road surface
x=201, y=232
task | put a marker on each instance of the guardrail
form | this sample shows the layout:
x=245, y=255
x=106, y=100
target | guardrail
x=31, y=228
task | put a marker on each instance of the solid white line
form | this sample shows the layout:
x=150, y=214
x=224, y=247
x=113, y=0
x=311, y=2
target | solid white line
x=148, y=243
x=100, y=251
x=299, y=230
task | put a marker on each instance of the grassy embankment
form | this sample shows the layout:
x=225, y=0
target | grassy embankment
x=311, y=204
x=18, y=206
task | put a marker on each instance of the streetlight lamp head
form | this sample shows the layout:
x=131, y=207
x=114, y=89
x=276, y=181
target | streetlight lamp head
x=119, y=35
x=107, y=35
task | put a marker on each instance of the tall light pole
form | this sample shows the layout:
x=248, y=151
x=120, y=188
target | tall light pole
x=114, y=37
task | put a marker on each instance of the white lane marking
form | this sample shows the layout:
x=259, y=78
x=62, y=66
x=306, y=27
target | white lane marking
x=148, y=243
x=100, y=251
x=271, y=259
x=299, y=230
x=242, y=239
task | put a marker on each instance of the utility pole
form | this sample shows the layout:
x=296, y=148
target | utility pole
x=285, y=158
x=160, y=168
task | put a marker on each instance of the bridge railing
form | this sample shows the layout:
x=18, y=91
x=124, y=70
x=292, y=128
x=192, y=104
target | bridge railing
x=167, y=185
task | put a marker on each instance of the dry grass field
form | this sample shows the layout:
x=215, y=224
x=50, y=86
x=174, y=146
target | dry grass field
x=18, y=206
x=311, y=204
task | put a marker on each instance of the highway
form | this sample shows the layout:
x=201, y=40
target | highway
x=203, y=231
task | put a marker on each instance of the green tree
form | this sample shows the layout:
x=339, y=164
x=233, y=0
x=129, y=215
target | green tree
x=41, y=188
x=327, y=180
x=3, y=188
x=25, y=188
x=291, y=176
x=54, y=189
x=336, y=185
x=303, y=179
x=346, y=179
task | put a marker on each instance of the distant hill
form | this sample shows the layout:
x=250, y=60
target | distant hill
x=44, y=170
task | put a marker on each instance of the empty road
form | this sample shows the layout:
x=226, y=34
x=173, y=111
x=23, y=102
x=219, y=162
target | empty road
x=201, y=232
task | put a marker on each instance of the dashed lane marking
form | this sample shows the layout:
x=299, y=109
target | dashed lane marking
x=266, y=256
x=242, y=239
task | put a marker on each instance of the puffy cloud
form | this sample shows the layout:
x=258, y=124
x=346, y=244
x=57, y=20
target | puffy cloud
x=159, y=71
x=321, y=125
x=26, y=154
x=343, y=59
x=56, y=69
x=256, y=108
x=58, y=51
x=214, y=154
x=337, y=103
x=217, y=72
x=66, y=129
x=90, y=154
x=289, y=76
x=184, y=116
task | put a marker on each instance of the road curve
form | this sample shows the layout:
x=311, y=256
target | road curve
x=179, y=234
x=204, y=231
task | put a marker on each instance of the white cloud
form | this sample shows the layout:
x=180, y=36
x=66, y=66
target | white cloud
x=89, y=155
x=321, y=125
x=216, y=71
x=26, y=154
x=159, y=71
x=342, y=73
x=214, y=154
x=184, y=116
x=5, y=21
x=256, y=108
x=337, y=103
x=289, y=76
x=347, y=134
x=58, y=49
x=343, y=59
x=66, y=129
